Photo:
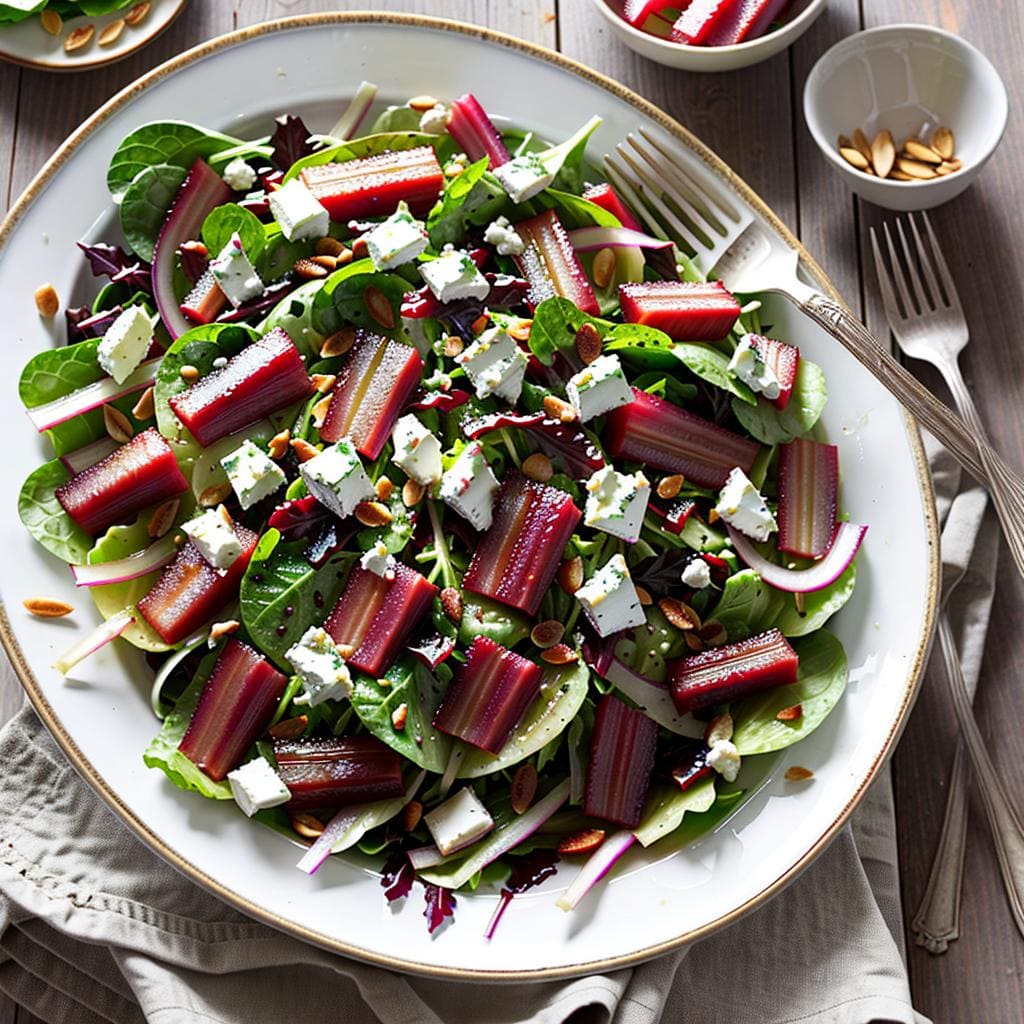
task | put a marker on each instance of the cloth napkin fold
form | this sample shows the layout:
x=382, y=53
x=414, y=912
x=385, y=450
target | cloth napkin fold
x=94, y=928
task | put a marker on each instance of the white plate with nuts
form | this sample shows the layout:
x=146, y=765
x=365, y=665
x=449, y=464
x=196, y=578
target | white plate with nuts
x=47, y=41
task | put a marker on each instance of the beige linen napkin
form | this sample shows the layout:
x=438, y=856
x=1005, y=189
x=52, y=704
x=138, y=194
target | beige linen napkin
x=95, y=929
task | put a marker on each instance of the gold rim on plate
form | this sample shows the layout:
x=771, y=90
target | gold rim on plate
x=85, y=768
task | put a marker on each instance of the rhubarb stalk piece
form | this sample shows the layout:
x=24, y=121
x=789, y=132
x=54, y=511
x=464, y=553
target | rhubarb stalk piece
x=517, y=558
x=604, y=195
x=488, y=695
x=205, y=302
x=373, y=186
x=374, y=386
x=744, y=19
x=236, y=705
x=659, y=434
x=684, y=310
x=782, y=361
x=723, y=674
x=808, y=497
x=621, y=760
x=142, y=472
x=550, y=264
x=475, y=133
x=264, y=377
x=190, y=591
x=697, y=22
x=376, y=615
x=338, y=771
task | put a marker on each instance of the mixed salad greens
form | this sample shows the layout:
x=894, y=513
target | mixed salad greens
x=463, y=522
x=14, y=11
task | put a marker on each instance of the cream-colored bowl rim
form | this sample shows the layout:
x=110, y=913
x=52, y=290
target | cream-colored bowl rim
x=85, y=768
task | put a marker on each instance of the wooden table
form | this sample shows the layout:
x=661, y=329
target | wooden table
x=753, y=119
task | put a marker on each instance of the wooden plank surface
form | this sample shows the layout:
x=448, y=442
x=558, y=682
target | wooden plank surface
x=754, y=120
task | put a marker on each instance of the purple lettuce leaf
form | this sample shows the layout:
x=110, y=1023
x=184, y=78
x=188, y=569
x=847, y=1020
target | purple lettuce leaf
x=440, y=904
x=121, y=267
x=397, y=877
x=290, y=140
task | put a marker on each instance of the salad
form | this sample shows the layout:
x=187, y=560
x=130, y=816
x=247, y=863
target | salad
x=463, y=522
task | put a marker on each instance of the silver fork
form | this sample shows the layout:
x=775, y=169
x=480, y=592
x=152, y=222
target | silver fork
x=684, y=201
x=928, y=323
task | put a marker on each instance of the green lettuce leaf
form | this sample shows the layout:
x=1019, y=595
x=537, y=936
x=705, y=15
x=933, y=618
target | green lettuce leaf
x=779, y=426
x=483, y=617
x=666, y=807
x=748, y=605
x=46, y=520
x=706, y=362
x=819, y=605
x=145, y=204
x=224, y=221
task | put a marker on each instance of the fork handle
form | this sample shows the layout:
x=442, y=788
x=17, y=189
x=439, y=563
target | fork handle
x=966, y=440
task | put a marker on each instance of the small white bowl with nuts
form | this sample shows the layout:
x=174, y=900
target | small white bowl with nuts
x=907, y=114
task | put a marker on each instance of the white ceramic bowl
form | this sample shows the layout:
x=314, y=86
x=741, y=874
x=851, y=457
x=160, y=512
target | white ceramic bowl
x=796, y=20
x=909, y=79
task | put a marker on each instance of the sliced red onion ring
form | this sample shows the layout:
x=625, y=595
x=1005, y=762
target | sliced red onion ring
x=652, y=698
x=589, y=239
x=100, y=636
x=89, y=455
x=426, y=857
x=131, y=567
x=845, y=544
x=601, y=861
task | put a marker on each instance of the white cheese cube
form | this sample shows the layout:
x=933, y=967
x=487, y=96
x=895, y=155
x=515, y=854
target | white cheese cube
x=459, y=821
x=725, y=759
x=435, y=120
x=379, y=561
x=234, y=273
x=740, y=504
x=256, y=786
x=238, y=175
x=495, y=364
x=417, y=450
x=523, y=177
x=609, y=598
x=504, y=237
x=453, y=275
x=319, y=664
x=397, y=240
x=336, y=478
x=253, y=474
x=696, y=574
x=215, y=537
x=298, y=211
x=598, y=388
x=469, y=487
x=617, y=503
x=125, y=343
x=749, y=367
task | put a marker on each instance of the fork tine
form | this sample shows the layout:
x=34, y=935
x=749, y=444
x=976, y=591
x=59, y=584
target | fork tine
x=949, y=286
x=938, y=299
x=896, y=272
x=892, y=308
x=921, y=297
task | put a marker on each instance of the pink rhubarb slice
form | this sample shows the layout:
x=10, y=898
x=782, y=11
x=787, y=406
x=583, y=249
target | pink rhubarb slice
x=488, y=695
x=696, y=24
x=475, y=133
x=550, y=264
x=141, y=472
x=373, y=186
x=377, y=616
x=373, y=387
x=783, y=361
x=723, y=674
x=684, y=310
x=338, y=771
x=621, y=761
x=191, y=591
x=264, y=377
x=608, y=199
x=657, y=433
x=205, y=302
x=808, y=497
x=517, y=558
x=745, y=19
x=236, y=705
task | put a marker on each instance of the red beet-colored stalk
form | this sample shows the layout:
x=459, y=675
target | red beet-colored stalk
x=688, y=764
x=488, y=695
x=373, y=186
x=517, y=558
x=191, y=591
x=684, y=310
x=660, y=434
x=674, y=516
x=377, y=616
x=604, y=195
x=205, y=302
x=695, y=25
x=139, y=473
x=745, y=19
x=550, y=264
x=475, y=133
x=722, y=674
x=808, y=497
x=236, y=705
x=783, y=360
x=338, y=771
x=264, y=377
x=374, y=386
x=621, y=760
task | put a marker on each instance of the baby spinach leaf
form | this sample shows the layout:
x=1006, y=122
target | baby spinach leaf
x=420, y=691
x=555, y=323
x=277, y=255
x=698, y=823
x=706, y=362
x=144, y=206
x=294, y=315
x=470, y=194
x=278, y=579
x=779, y=426
x=483, y=617
x=821, y=680
x=56, y=372
x=396, y=119
x=44, y=517
x=748, y=605
x=576, y=212
x=565, y=160
x=224, y=221
x=666, y=807
x=819, y=605
x=562, y=693
x=340, y=301
x=647, y=648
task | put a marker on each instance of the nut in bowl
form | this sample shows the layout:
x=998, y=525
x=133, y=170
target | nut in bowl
x=907, y=114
